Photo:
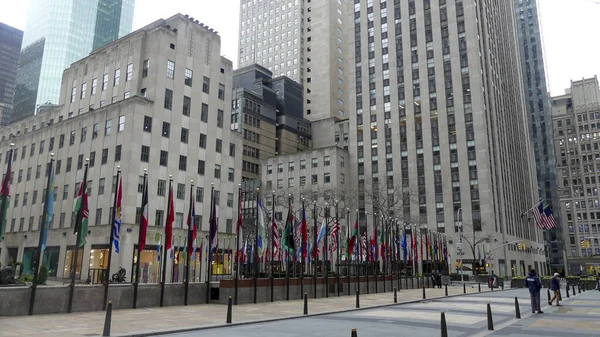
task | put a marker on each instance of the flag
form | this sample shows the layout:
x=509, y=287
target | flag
x=116, y=228
x=288, y=232
x=335, y=232
x=169, y=221
x=275, y=229
x=192, y=225
x=537, y=215
x=261, y=239
x=549, y=221
x=158, y=246
x=49, y=209
x=145, y=218
x=304, y=231
x=239, y=227
x=81, y=211
x=404, y=248
x=213, y=224
x=322, y=232
x=352, y=244
x=5, y=195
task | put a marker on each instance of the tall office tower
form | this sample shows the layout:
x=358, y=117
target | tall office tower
x=441, y=139
x=10, y=47
x=304, y=41
x=157, y=99
x=539, y=115
x=576, y=121
x=58, y=34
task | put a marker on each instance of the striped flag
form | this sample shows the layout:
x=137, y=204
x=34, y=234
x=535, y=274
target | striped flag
x=538, y=214
x=334, y=232
x=548, y=219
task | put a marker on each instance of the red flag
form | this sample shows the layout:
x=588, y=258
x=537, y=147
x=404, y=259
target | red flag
x=169, y=224
x=144, y=222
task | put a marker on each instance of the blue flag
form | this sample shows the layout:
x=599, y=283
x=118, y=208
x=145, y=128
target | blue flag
x=404, y=248
x=49, y=210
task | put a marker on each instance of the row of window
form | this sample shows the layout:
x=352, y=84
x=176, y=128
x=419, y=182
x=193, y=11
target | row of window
x=313, y=178
x=93, y=89
x=314, y=164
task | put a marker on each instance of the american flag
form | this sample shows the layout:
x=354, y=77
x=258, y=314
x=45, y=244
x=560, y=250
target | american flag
x=334, y=232
x=548, y=219
x=537, y=215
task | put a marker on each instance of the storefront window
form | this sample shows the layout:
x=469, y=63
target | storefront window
x=222, y=262
x=178, y=272
x=50, y=260
x=98, y=264
x=69, y=263
x=149, y=266
x=29, y=255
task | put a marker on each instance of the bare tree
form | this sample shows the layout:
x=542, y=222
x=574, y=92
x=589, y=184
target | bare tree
x=475, y=238
x=389, y=200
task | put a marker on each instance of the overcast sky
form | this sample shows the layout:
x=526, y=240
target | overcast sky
x=570, y=30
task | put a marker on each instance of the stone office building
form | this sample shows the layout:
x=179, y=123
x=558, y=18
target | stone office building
x=157, y=99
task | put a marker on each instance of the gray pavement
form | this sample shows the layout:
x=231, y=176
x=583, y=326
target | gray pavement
x=465, y=316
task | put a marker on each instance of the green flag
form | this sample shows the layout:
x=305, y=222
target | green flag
x=288, y=233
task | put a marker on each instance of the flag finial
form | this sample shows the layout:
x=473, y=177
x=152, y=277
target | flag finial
x=192, y=181
x=87, y=160
x=51, y=154
x=118, y=167
x=12, y=145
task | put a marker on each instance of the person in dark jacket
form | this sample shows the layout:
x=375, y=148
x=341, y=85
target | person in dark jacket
x=534, y=284
x=555, y=286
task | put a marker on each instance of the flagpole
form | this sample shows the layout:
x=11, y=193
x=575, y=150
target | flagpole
x=337, y=245
x=191, y=238
x=110, y=239
x=255, y=251
x=139, y=253
x=272, y=244
x=237, y=247
x=45, y=223
x=348, y=249
x=375, y=255
x=326, y=250
x=164, y=262
x=315, y=249
x=5, y=193
x=78, y=225
x=287, y=254
x=356, y=243
x=210, y=237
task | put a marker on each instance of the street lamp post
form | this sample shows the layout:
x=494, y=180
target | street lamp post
x=459, y=245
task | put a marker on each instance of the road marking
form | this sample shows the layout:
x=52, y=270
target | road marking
x=424, y=316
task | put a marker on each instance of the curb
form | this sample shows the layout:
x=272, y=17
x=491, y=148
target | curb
x=217, y=326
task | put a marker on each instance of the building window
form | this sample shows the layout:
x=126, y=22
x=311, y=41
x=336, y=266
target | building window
x=83, y=135
x=129, y=72
x=315, y=179
x=80, y=162
x=206, y=85
x=69, y=162
x=104, y=157
x=166, y=129
x=221, y=91
x=199, y=194
x=204, y=113
x=147, y=124
x=83, y=90
x=98, y=216
x=181, y=191
x=101, y=186
x=202, y=142
x=230, y=174
x=107, y=127
x=302, y=164
x=168, y=99
x=162, y=187
x=219, y=145
x=187, y=105
x=327, y=177
x=220, y=118
x=95, y=130
x=71, y=140
x=184, y=135
x=164, y=158
x=145, y=156
x=73, y=94
x=188, y=77
x=121, y=123
x=104, y=82
x=118, y=153
x=217, y=171
x=315, y=162
x=183, y=163
x=158, y=217
x=170, y=69
x=229, y=199
x=145, y=68
x=117, y=77
x=302, y=181
x=326, y=160
x=201, y=167
x=94, y=85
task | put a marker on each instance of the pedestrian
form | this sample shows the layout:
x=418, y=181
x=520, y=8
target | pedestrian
x=598, y=279
x=556, y=288
x=534, y=284
x=438, y=276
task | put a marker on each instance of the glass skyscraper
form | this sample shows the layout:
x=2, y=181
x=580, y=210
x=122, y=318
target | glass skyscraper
x=10, y=45
x=57, y=33
x=539, y=113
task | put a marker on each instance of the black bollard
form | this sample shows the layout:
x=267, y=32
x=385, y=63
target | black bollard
x=357, y=299
x=464, y=288
x=479, y=286
x=579, y=289
x=446, y=289
x=574, y=293
x=424, y=297
x=354, y=333
x=549, y=297
x=305, y=304
x=444, y=326
x=229, y=310
x=567, y=287
x=107, y=320
x=517, y=308
x=395, y=295
x=489, y=317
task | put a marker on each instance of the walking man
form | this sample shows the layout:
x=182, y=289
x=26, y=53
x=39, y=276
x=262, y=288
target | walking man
x=556, y=288
x=534, y=284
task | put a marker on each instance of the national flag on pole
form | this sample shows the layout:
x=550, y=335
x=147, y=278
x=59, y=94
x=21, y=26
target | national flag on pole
x=158, y=246
x=335, y=232
x=116, y=227
x=5, y=195
x=275, y=229
x=81, y=210
x=322, y=232
x=288, y=232
x=549, y=221
x=49, y=209
x=304, y=231
x=145, y=218
x=214, y=229
x=404, y=247
x=169, y=221
x=192, y=225
x=537, y=215
x=261, y=239
x=353, y=235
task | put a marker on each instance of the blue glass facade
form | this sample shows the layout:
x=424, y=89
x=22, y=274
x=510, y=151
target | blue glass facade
x=57, y=33
x=10, y=46
x=537, y=102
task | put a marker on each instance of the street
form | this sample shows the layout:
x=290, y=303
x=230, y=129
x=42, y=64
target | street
x=465, y=316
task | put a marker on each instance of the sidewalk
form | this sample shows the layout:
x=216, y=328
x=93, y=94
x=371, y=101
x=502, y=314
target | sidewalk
x=151, y=320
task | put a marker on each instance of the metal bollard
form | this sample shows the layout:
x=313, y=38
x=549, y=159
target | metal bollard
x=490, y=320
x=549, y=297
x=517, y=308
x=357, y=299
x=107, y=320
x=424, y=297
x=305, y=303
x=446, y=289
x=464, y=288
x=354, y=333
x=567, y=287
x=479, y=286
x=574, y=293
x=444, y=326
x=229, y=310
x=395, y=295
x=579, y=289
